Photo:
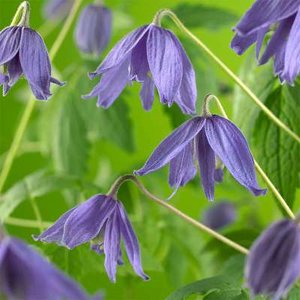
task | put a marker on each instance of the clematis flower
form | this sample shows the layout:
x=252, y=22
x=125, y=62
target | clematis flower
x=282, y=16
x=207, y=138
x=103, y=221
x=57, y=9
x=24, y=274
x=273, y=262
x=154, y=57
x=93, y=30
x=22, y=51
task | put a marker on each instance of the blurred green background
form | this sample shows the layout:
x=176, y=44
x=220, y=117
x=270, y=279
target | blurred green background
x=81, y=150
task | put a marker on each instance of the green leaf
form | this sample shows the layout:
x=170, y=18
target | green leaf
x=294, y=294
x=277, y=152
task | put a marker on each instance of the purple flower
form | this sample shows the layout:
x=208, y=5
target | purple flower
x=22, y=51
x=103, y=221
x=284, y=45
x=57, y=9
x=93, y=30
x=153, y=56
x=24, y=274
x=274, y=260
x=219, y=215
x=208, y=139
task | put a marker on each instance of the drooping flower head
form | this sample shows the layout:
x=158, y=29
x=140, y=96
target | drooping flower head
x=57, y=9
x=282, y=17
x=103, y=221
x=274, y=259
x=25, y=275
x=208, y=139
x=154, y=57
x=93, y=30
x=23, y=52
x=219, y=215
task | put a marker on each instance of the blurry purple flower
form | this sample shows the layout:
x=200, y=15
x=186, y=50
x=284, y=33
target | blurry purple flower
x=219, y=175
x=57, y=9
x=205, y=138
x=153, y=56
x=219, y=215
x=93, y=30
x=25, y=275
x=274, y=260
x=22, y=50
x=103, y=221
x=284, y=45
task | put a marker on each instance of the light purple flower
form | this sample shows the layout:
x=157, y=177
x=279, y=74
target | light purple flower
x=284, y=45
x=23, y=52
x=93, y=30
x=25, y=275
x=57, y=9
x=219, y=215
x=103, y=221
x=274, y=260
x=206, y=139
x=154, y=57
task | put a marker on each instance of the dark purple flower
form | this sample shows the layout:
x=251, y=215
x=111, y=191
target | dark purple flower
x=25, y=275
x=93, y=30
x=206, y=138
x=219, y=215
x=22, y=51
x=153, y=56
x=57, y=9
x=284, y=45
x=274, y=260
x=103, y=221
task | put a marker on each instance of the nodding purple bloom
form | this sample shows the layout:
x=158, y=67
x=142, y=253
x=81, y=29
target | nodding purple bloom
x=22, y=51
x=93, y=30
x=274, y=260
x=282, y=16
x=219, y=215
x=208, y=139
x=154, y=57
x=24, y=274
x=103, y=221
x=57, y=9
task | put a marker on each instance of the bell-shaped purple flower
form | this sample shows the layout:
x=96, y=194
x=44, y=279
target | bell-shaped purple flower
x=284, y=45
x=219, y=215
x=25, y=275
x=23, y=52
x=93, y=30
x=154, y=57
x=57, y=9
x=207, y=139
x=274, y=260
x=103, y=221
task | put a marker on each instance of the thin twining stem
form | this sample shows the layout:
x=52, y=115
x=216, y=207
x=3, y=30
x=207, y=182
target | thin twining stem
x=21, y=17
x=257, y=166
x=31, y=103
x=27, y=223
x=114, y=190
x=242, y=85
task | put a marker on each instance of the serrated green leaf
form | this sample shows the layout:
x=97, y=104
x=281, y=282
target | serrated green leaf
x=277, y=152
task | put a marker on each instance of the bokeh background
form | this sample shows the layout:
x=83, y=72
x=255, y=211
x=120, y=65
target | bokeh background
x=72, y=150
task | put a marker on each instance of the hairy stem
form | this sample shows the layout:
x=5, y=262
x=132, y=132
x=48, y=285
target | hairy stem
x=31, y=103
x=238, y=81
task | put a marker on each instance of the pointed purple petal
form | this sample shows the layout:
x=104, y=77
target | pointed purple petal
x=231, y=147
x=14, y=70
x=207, y=164
x=240, y=44
x=165, y=62
x=171, y=146
x=147, y=93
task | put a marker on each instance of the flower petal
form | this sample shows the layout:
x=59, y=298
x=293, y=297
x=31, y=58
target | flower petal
x=165, y=62
x=207, y=164
x=147, y=93
x=171, y=146
x=10, y=39
x=231, y=147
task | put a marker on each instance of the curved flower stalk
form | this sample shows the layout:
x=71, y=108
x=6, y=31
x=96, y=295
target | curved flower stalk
x=154, y=57
x=24, y=274
x=274, y=259
x=93, y=30
x=57, y=9
x=284, y=45
x=102, y=221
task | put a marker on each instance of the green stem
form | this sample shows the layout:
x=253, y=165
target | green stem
x=27, y=223
x=247, y=90
x=257, y=166
x=37, y=213
x=31, y=103
x=21, y=17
